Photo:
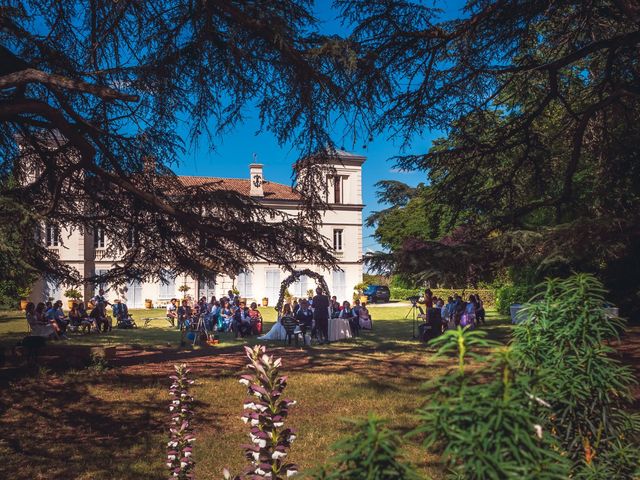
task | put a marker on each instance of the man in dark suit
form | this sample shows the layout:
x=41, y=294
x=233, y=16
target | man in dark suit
x=321, y=314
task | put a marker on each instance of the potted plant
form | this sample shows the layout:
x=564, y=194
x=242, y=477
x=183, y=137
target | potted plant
x=359, y=292
x=24, y=293
x=310, y=293
x=184, y=289
x=148, y=303
x=73, y=295
x=265, y=301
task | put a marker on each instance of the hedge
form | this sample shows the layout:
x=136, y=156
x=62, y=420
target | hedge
x=510, y=294
x=488, y=296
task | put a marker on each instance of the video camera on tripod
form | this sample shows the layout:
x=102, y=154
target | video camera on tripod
x=414, y=300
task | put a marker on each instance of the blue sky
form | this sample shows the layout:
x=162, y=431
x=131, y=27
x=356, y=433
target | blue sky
x=235, y=150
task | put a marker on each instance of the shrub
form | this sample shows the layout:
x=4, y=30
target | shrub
x=507, y=295
x=488, y=296
x=563, y=342
x=482, y=423
x=373, y=452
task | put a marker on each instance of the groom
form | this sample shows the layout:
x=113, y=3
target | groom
x=321, y=314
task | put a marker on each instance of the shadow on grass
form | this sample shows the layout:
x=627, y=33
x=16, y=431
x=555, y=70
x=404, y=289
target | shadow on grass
x=55, y=427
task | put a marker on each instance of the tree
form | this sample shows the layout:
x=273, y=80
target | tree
x=90, y=96
x=538, y=102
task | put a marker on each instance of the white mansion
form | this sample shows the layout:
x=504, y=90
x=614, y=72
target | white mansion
x=341, y=225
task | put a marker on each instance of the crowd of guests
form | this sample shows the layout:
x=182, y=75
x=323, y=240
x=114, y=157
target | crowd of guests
x=229, y=314
x=311, y=316
x=48, y=319
x=441, y=315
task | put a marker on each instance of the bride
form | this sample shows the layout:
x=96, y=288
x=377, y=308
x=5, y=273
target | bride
x=277, y=332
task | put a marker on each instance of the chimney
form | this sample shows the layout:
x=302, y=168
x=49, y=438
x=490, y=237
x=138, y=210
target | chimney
x=256, y=179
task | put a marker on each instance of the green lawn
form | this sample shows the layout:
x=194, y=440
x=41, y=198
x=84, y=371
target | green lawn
x=93, y=424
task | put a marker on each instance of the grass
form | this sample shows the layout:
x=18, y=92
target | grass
x=94, y=424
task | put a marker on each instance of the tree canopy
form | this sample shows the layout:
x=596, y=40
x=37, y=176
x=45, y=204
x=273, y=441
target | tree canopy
x=90, y=96
x=538, y=102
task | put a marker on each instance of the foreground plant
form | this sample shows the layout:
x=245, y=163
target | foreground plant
x=373, y=452
x=179, y=451
x=482, y=422
x=566, y=342
x=265, y=413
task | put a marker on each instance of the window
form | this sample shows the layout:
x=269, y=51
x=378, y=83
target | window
x=168, y=287
x=53, y=290
x=52, y=235
x=98, y=237
x=337, y=240
x=273, y=285
x=340, y=286
x=101, y=286
x=207, y=286
x=337, y=189
x=300, y=287
x=245, y=284
x=132, y=238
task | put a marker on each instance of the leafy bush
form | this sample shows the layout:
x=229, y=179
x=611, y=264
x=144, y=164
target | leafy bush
x=563, y=342
x=488, y=296
x=510, y=294
x=398, y=293
x=373, y=452
x=482, y=423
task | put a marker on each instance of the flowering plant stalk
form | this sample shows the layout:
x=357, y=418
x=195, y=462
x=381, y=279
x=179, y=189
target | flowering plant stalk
x=179, y=448
x=265, y=412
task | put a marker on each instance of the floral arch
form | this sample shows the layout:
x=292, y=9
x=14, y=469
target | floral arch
x=294, y=277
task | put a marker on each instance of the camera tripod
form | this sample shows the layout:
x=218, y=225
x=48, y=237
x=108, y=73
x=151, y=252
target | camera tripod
x=201, y=327
x=413, y=312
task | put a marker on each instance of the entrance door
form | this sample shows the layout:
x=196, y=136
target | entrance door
x=206, y=288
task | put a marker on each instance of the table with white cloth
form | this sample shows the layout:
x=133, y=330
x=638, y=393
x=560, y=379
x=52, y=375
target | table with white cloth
x=338, y=329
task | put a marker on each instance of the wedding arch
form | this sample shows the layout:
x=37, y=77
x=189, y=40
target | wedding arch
x=294, y=277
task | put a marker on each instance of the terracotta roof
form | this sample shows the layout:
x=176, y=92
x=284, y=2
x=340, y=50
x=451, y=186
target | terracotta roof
x=272, y=191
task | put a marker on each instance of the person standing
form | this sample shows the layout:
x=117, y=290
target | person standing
x=321, y=314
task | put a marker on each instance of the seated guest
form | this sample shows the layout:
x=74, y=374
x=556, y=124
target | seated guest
x=296, y=306
x=334, y=307
x=36, y=320
x=121, y=314
x=364, y=318
x=100, y=319
x=347, y=314
x=203, y=305
x=100, y=298
x=82, y=310
x=242, y=322
x=289, y=322
x=256, y=319
x=184, y=315
x=304, y=316
x=56, y=315
x=225, y=318
x=212, y=316
x=75, y=321
x=172, y=311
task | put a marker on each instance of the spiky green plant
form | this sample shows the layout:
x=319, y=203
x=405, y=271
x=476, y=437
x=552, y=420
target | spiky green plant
x=566, y=343
x=372, y=452
x=482, y=421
